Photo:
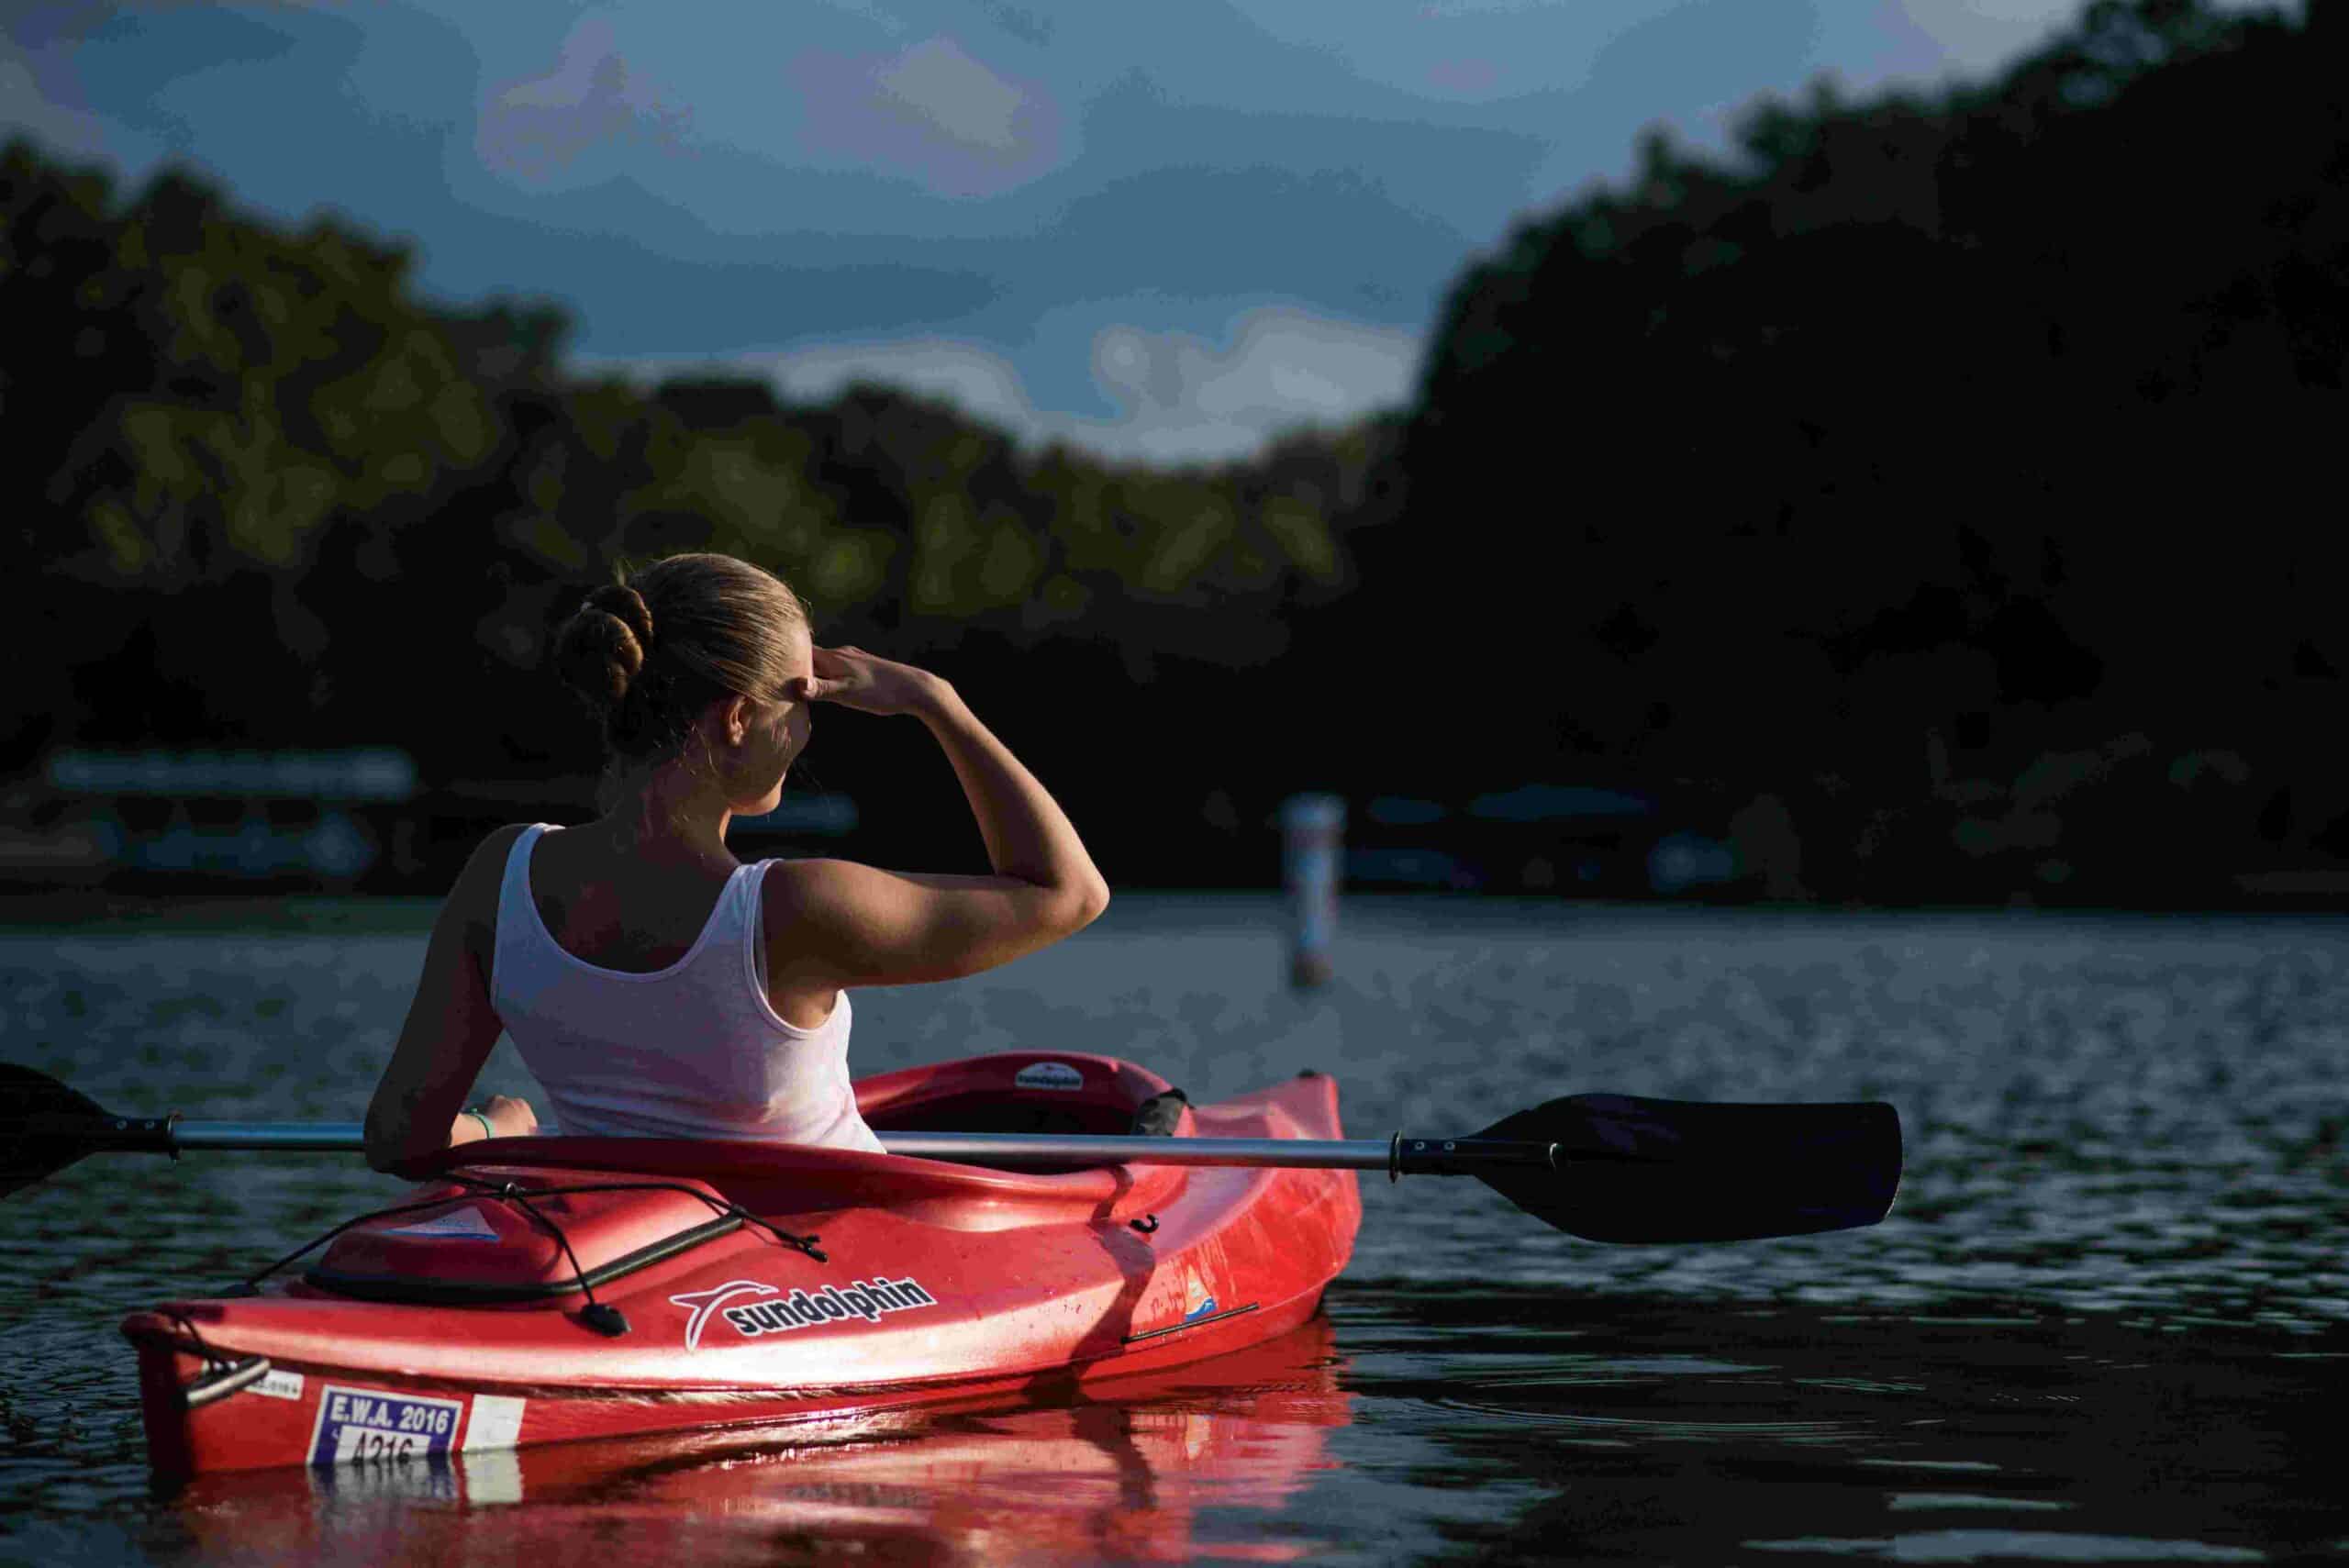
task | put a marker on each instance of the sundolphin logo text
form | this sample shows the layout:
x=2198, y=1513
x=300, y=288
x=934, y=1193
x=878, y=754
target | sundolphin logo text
x=829, y=1305
x=702, y=1303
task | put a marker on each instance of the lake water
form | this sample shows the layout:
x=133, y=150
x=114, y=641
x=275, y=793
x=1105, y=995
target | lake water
x=2108, y=1320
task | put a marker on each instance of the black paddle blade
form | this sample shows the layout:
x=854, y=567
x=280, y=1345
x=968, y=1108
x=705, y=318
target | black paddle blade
x=1639, y=1170
x=44, y=1126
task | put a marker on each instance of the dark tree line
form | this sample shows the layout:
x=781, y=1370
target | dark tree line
x=269, y=499
x=1965, y=471
x=1938, y=499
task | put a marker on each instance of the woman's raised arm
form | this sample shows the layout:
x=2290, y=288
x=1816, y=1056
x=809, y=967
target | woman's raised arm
x=845, y=924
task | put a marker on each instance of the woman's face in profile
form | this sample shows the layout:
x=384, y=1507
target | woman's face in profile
x=777, y=733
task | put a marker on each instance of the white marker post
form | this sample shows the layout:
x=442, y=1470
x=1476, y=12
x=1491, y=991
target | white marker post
x=1312, y=836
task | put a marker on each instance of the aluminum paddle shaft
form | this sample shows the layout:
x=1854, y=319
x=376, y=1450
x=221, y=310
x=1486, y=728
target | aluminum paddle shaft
x=1397, y=1156
x=291, y=1137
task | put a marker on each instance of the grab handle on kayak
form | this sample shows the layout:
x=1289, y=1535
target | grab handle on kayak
x=222, y=1380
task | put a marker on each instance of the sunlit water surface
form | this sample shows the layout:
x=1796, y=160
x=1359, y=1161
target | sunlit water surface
x=2106, y=1321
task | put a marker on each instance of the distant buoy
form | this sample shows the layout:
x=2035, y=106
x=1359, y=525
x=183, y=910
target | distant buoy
x=1312, y=839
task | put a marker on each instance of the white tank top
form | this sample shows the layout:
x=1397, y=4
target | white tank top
x=692, y=1051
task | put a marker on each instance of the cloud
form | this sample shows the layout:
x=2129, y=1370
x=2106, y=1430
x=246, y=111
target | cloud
x=535, y=131
x=978, y=380
x=1029, y=26
x=887, y=21
x=1976, y=36
x=981, y=383
x=1468, y=76
x=1439, y=8
x=966, y=101
x=40, y=108
x=932, y=112
x=1180, y=398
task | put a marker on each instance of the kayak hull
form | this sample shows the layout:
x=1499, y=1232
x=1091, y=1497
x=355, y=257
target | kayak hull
x=1131, y=1469
x=640, y=1286
x=327, y=1425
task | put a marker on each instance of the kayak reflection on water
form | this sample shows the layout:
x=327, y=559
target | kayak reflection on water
x=1133, y=1470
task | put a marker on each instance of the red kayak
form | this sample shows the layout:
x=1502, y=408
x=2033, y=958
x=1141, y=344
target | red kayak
x=549, y=1289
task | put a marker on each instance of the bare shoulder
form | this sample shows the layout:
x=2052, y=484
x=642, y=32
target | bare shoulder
x=805, y=892
x=820, y=915
x=845, y=923
x=800, y=914
x=818, y=892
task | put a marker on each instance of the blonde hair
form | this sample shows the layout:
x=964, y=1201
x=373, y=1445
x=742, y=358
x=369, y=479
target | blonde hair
x=651, y=650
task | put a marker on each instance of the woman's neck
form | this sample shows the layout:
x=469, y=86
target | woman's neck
x=663, y=813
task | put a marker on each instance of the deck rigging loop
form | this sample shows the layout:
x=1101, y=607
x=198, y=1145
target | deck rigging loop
x=725, y=1209
x=600, y=1316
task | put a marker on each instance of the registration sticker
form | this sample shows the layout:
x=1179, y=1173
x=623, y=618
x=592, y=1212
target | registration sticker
x=360, y=1424
x=279, y=1383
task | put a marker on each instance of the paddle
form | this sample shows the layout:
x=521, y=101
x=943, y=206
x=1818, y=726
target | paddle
x=1603, y=1167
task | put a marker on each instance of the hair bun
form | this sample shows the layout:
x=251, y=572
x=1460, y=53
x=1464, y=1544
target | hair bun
x=626, y=606
x=603, y=646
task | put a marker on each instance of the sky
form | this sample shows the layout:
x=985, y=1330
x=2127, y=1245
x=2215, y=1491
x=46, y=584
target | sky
x=1163, y=232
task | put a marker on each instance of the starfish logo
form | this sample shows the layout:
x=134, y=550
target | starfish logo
x=1198, y=1299
x=702, y=1304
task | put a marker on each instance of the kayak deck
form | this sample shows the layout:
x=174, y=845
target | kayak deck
x=550, y=1289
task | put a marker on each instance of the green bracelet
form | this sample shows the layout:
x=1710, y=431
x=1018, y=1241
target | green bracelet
x=486, y=1130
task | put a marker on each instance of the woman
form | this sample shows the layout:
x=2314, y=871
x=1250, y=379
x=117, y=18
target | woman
x=654, y=984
